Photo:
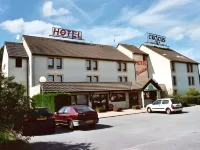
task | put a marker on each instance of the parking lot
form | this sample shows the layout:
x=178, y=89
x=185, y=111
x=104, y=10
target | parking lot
x=155, y=131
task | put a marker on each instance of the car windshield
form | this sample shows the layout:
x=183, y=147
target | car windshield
x=42, y=110
x=175, y=101
x=80, y=109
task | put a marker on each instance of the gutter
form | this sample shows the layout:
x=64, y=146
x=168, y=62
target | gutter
x=27, y=76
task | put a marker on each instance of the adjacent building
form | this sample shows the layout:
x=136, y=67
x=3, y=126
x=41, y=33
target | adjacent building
x=177, y=72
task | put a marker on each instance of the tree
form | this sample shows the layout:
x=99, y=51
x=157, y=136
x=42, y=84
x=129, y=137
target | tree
x=192, y=92
x=13, y=104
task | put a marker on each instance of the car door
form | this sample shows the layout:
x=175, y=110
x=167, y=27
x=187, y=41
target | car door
x=156, y=105
x=66, y=115
x=165, y=104
x=58, y=116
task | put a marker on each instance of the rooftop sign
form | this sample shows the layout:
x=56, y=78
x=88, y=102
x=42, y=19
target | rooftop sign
x=66, y=33
x=156, y=39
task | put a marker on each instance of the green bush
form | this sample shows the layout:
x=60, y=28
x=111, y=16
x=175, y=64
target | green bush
x=136, y=107
x=192, y=92
x=48, y=100
x=187, y=100
x=100, y=109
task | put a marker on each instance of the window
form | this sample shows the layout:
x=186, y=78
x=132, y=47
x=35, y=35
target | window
x=125, y=79
x=175, y=101
x=144, y=57
x=175, y=92
x=119, y=66
x=89, y=78
x=61, y=110
x=124, y=67
x=59, y=78
x=119, y=79
x=157, y=102
x=88, y=64
x=59, y=63
x=189, y=68
x=190, y=80
x=95, y=65
x=117, y=97
x=51, y=78
x=82, y=109
x=92, y=65
x=18, y=62
x=50, y=63
x=173, y=66
x=174, y=80
x=67, y=110
x=165, y=102
x=95, y=79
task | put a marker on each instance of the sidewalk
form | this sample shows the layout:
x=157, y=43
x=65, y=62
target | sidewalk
x=124, y=112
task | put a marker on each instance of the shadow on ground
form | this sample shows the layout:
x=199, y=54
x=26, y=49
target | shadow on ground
x=61, y=146
x=173, y=113
x=63, y=130
x=16, y=144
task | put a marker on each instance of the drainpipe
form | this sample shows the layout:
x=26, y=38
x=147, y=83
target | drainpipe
x=27, y=76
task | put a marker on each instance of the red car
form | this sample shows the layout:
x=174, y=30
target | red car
x=76, y=115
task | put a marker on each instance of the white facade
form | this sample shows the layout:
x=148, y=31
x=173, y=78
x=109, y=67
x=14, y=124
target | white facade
x=9, y=68
x=160, y=70
x=74, y=70
x=136, y=57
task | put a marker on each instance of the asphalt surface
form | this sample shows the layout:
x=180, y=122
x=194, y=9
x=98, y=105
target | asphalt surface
x=155, y=131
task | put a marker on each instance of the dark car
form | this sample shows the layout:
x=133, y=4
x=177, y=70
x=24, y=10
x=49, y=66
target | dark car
x=76, y=115
x=39, y=120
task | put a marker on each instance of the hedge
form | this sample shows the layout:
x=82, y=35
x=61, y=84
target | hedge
x=48, y=100
x=185, y=100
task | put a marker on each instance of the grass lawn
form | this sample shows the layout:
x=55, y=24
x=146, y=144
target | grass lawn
x=11, y=143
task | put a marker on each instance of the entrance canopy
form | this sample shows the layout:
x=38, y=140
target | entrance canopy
x=74, y=87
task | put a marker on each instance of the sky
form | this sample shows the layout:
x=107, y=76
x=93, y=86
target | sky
x=107, y=21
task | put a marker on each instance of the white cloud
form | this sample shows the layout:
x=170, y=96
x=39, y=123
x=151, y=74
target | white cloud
x=190, y=53
x=65, y=20
x=159, y=14
x=31, y=28
x=49, y=11
x=176, y=33
x=106, y=35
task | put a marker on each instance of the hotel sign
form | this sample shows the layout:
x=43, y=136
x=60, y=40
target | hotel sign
x=141, y=70
x=66, y=33
x=156, y=39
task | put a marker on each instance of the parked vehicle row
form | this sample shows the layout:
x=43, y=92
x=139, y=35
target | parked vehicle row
x=41, y=120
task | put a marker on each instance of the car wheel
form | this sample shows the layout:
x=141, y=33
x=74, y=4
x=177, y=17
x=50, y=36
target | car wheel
x=92, y=125
x=168, y=111
x=149, y=110
x=71, y=125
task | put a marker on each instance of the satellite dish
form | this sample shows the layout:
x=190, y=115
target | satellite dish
x=18, y=37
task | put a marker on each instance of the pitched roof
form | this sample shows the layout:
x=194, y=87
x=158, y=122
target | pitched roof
x=64, y=48
x=64, y=87
x=171, y=54
x=133, y=49
x=15, y=49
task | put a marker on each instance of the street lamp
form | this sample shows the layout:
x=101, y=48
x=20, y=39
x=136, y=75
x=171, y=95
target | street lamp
x=42, y=80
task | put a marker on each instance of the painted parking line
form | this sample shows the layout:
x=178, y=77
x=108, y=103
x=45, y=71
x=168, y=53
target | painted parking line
x=159, y=141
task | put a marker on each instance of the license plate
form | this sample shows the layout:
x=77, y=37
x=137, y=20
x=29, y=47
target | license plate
x=42, y=118
x=89, y=121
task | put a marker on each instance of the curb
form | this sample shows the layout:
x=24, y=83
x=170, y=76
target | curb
x=121, y=115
